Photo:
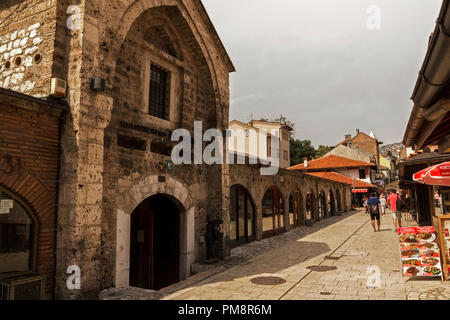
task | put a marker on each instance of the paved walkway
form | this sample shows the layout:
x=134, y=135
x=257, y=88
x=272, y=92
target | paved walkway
x=327, y=261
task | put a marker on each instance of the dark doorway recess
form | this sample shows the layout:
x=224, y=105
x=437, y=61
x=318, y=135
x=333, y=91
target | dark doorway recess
x=155, y=243
x=272, y=213
x=242, y=216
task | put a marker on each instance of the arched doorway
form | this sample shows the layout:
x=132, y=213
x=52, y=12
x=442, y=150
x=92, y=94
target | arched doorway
x=331, y=204
x=339, y=201
x=242, y=216
x=322, y=205
x=310, y=205
x=18, y=234
x=295, y=209
x=272, y=212
x=155, y=243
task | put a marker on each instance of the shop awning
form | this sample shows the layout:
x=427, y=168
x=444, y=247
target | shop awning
x=437, y=175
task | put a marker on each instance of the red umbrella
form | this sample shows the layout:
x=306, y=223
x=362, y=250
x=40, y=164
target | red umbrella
x=438, y=175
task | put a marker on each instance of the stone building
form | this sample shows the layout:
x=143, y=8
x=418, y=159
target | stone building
x=163, y=66
x=135, y=71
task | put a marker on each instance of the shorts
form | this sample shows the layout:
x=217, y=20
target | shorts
x=375, y=216
x=396, y=215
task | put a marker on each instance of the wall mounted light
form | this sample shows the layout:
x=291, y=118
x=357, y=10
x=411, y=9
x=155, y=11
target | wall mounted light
x=98, y=84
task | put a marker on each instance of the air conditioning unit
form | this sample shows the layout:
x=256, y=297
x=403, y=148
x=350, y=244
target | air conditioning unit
x=22, y=286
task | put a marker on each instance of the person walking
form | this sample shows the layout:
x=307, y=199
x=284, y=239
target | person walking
x=393, y=201
x=366, y=209
x=383, y=204
x=374, y=206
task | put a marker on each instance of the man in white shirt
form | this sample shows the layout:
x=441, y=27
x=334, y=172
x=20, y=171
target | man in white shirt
x=383, y=203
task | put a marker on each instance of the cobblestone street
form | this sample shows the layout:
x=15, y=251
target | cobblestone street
x=327, y=261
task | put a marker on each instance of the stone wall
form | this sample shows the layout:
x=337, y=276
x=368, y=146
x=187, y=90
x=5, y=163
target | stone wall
x=27, y=45
x=110, y=42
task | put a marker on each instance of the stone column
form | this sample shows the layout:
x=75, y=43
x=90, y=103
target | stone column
x=80, y=210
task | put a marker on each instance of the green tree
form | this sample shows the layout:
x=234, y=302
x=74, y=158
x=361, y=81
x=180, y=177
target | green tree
x=300, y=149
x=321, y=151
x=284, y=120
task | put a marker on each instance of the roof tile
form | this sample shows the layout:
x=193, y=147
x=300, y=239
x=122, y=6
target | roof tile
x=331, y=161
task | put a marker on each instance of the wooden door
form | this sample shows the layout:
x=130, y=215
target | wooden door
x=155, y=244
x=141, y=244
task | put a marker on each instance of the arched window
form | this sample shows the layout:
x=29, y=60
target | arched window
x=18, y=234
x=242, y=216
x=272, y=212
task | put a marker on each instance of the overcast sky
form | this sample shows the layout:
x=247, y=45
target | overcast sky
x=317, y=62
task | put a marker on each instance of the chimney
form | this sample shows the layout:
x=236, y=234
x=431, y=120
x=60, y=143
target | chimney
x=305, y=162
x=357, y=131
x=348, y=138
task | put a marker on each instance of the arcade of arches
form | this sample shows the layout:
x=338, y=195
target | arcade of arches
x=276, y=204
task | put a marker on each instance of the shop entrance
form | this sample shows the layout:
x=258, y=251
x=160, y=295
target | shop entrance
x=242, y=216
x=272, y=213
x=155, y=243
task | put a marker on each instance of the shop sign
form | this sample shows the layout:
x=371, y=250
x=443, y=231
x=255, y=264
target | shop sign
x=359, y=190
x=420, y=252
x=6, y=205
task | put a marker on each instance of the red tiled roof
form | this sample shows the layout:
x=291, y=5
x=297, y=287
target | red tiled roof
x=334, y=176
x=331, y=161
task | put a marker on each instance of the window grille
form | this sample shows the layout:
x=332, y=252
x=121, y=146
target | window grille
x=159, y=92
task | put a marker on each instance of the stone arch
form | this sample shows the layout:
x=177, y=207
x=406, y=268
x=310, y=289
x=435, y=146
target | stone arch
x=42, y=204
x=133, y=12
x=128, y=201
x=273, y=211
